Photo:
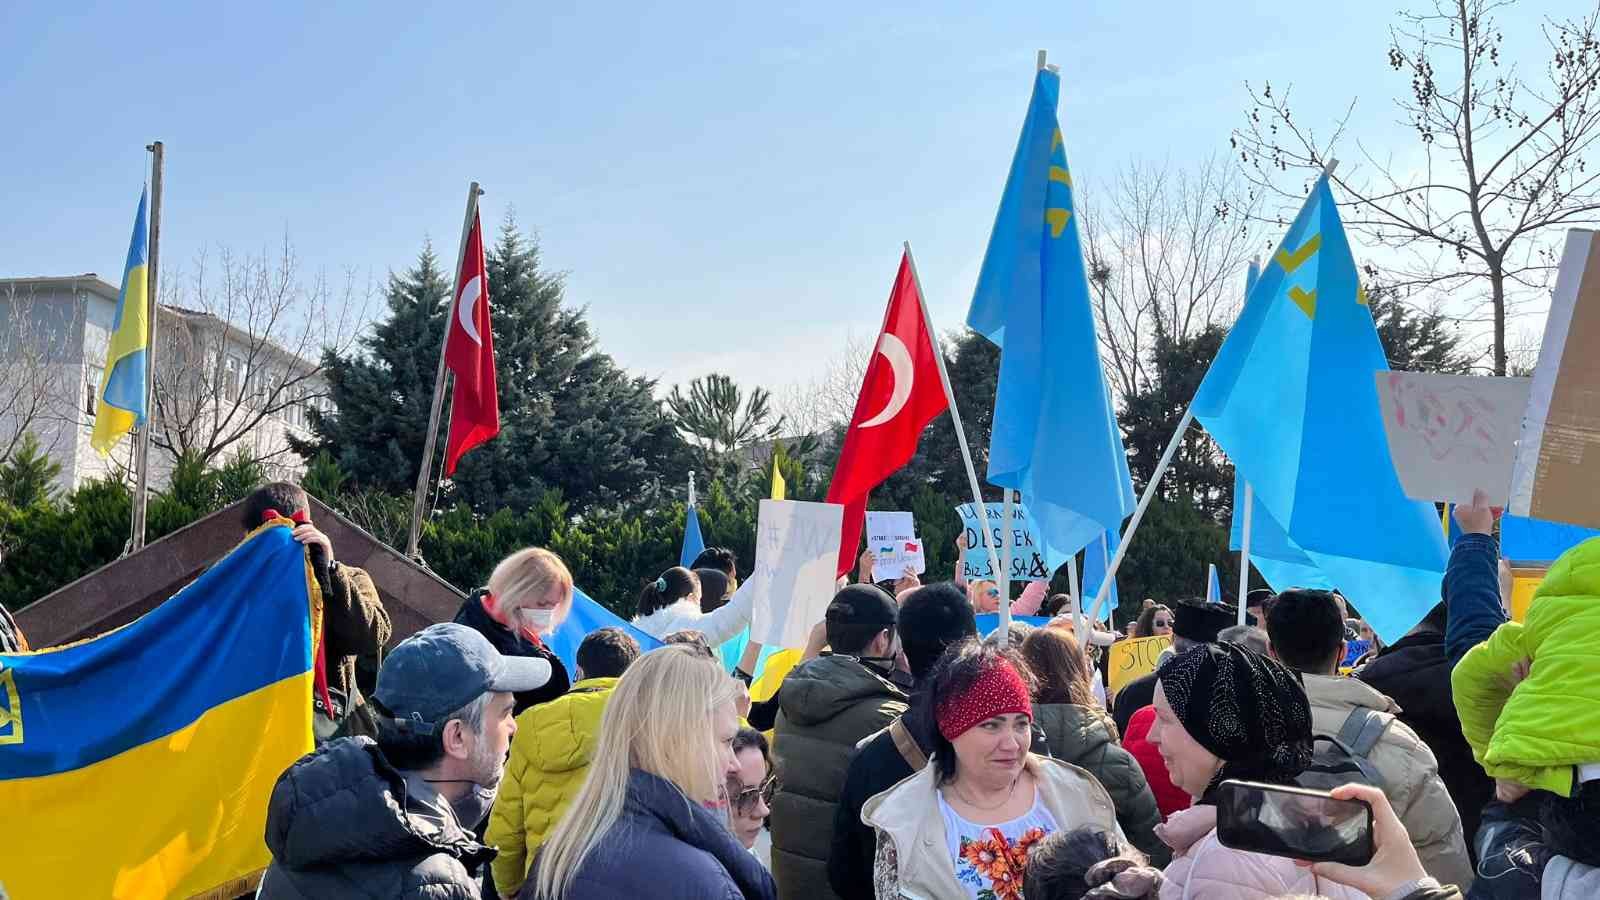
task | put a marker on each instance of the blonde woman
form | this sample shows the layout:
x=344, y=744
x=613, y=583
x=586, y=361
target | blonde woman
x=650, y=819
x=529, y=594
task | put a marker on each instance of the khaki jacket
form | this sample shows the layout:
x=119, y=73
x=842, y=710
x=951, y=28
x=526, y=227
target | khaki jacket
x=1410, y=775
x=913, y=859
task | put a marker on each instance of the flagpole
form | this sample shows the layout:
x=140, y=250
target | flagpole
x=1251, y=275
x=955, y=416
x=1138, y=512
x=1004, y=581
x=142, y=448
x=691, y=490
x=1244, y=550
x=1072, y=593
x=419, y=502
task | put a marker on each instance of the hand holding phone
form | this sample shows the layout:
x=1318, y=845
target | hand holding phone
x=1298, y=823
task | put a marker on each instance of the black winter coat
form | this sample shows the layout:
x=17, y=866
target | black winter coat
x=337, y=828
x=504, y=640
x=1416, y=672
x=664, y=847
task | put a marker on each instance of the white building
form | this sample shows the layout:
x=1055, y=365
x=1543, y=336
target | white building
x=215, y=382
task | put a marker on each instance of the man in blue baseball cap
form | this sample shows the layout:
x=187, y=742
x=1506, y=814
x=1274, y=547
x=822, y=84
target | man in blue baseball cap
x=444, y=704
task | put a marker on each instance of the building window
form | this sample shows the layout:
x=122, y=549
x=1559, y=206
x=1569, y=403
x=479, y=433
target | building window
x=94, y=375
x=230, y=378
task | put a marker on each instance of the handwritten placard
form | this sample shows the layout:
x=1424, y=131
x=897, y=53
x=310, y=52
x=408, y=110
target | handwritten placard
x=892, y=538
x=1027, y=553
x=1449, y=434
x=797, y=551
x=1134, y=658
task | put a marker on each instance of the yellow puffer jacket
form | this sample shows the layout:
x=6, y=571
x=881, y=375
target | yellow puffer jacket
x=1537, y=732
x=549, y=758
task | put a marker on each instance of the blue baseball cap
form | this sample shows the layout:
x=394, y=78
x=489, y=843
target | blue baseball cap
x=444, y=667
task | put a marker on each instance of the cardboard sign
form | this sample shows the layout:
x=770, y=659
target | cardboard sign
x=1134, y=658
x=1027, y=552
x=1555, y=476
x=1449, y=434
x=892, y=538
x=797, y=550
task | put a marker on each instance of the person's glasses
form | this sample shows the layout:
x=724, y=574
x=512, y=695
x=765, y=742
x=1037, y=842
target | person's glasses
x=1162, y=623
x=766, y=790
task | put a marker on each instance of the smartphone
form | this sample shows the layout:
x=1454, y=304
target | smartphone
x=1295, y=822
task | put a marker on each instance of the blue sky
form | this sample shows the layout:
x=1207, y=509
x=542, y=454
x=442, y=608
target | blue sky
x=727, y=186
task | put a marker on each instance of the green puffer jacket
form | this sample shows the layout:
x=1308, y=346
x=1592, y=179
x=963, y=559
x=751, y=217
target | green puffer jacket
x=1536, y=732
x=1086, y=738
x=826, y=706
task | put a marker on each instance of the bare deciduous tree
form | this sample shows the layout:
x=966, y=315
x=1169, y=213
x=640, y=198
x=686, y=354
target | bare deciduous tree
x=1501, y=162
x=828, y=400
x=1166, y=252
x=37, y=393
x=246, y=347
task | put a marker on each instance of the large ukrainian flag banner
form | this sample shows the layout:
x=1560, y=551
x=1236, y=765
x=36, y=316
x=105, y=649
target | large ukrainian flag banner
x=138, y=764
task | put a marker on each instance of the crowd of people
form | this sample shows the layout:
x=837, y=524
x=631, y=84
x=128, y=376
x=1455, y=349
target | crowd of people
x=906, y=756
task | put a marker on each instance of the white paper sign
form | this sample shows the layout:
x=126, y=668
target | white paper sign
x=797, y=555
x=892, y=538
x=1027, y=553
x=1449, y=434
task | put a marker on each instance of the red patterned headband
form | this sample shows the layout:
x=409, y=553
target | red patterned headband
x=998, y=691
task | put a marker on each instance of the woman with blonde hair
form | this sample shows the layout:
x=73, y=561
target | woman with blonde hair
x=528, y=595
x=643, y=824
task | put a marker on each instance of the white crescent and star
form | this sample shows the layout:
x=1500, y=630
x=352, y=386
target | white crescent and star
x=904, y=372
x=467, y=306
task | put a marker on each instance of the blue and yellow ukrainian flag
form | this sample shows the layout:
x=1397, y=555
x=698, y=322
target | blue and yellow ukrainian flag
x=1055, y=435
x=122, y=394
x=1290, y=398
x=138, y=764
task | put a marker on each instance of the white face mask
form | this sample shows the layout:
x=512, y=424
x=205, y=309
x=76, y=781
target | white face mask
x=539, y=620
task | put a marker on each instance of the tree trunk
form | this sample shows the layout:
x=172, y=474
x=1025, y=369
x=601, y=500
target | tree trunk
x=1497, y=284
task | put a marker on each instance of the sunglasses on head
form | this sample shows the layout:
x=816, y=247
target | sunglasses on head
x=765, y=790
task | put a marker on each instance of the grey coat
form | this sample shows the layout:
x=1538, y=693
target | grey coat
x=337, y=827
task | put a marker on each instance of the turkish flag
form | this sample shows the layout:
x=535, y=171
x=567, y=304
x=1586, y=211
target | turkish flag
x=900, y=395
x=469, y=354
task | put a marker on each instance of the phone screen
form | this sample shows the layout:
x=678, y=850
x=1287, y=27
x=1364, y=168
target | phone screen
x=1294, y=822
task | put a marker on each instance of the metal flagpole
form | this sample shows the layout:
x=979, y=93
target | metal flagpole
x=141, y=451
x=1138, y=512
x=1244, y=550
x=1003, y=582
x=1072, y=591
x=955, y=414
x=420, y=500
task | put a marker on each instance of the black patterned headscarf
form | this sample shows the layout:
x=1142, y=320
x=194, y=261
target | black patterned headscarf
x=1249, y=711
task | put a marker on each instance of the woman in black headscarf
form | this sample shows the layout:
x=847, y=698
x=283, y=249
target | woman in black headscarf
x=1224, y=712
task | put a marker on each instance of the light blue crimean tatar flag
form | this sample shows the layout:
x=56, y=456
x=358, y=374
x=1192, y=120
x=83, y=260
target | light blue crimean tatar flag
x=1055, y=434
x=1291, y=399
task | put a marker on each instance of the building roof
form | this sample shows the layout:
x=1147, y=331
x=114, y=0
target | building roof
x=121, y=591
x=88, y=281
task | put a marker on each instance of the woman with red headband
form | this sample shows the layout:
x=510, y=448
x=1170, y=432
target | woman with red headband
x=965, y=824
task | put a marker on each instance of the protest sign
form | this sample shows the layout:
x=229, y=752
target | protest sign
x=1449, y=434
x=1554, y=477
x=1027, y=553
x=1525, y=581
x=892, y=538
x=797, y=549
x=1134, y=658
x=1354, y=650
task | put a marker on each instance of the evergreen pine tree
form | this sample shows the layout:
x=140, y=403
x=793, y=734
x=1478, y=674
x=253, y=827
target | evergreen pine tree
x=29, y=476
x=570, y=419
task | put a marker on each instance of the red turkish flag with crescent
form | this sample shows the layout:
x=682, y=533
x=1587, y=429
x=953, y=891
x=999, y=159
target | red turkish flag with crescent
x=469, y=354
x=900, y=395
